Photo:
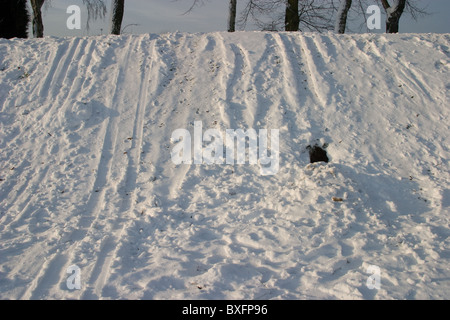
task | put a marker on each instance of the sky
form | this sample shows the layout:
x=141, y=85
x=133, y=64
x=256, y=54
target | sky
x=160, y=16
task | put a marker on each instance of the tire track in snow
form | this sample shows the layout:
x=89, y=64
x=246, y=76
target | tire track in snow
x=319, y=88
x=36, y=89
x=415, y=79
x=101, y=272
x=39, y=286
x=321, y=84
x=144, y=237
x=292, y=84
x=291, y=119
x=244, y=105
x=170, y=180
x=394, y=78
x=314, y=97
x=217, y=110
x=32, y=178
x=259, y=76
x=162, y=71
x=399, y=67
x=245, y=116
x=76, y=50
x=229, y=79
x=60, y=62
x=72, y=91
x=59, y=69
x=229, y=86
x=99, y=219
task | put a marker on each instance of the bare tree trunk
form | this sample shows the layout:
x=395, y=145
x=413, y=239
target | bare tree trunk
x=38, y=25
x=341, y=21
x=393, y=15
x=292, y=19
x=117, y=16
x=14, y=19
x=232, y=16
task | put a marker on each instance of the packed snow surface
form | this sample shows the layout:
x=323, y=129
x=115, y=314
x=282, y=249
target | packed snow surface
x=92, y=205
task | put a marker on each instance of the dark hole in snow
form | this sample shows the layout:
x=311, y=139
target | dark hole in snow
x=317, y=154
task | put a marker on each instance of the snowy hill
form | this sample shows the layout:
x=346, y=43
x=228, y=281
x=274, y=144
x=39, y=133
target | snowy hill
x=89, y=190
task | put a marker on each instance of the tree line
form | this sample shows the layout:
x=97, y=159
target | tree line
x=317, y=15
x=273, y=15
x=15, y=18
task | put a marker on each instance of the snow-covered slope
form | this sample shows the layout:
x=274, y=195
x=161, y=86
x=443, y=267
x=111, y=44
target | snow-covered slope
x=87, y=178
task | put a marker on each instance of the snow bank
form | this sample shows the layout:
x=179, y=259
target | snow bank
x=87, y=177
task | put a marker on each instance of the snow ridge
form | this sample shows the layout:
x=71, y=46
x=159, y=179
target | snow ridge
x=86, y=176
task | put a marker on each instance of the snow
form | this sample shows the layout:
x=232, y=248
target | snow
x=87, y=178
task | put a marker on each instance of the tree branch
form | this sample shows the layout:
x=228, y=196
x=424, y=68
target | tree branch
x=386, y=4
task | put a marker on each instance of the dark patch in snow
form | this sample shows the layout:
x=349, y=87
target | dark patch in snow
x=317, y=154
